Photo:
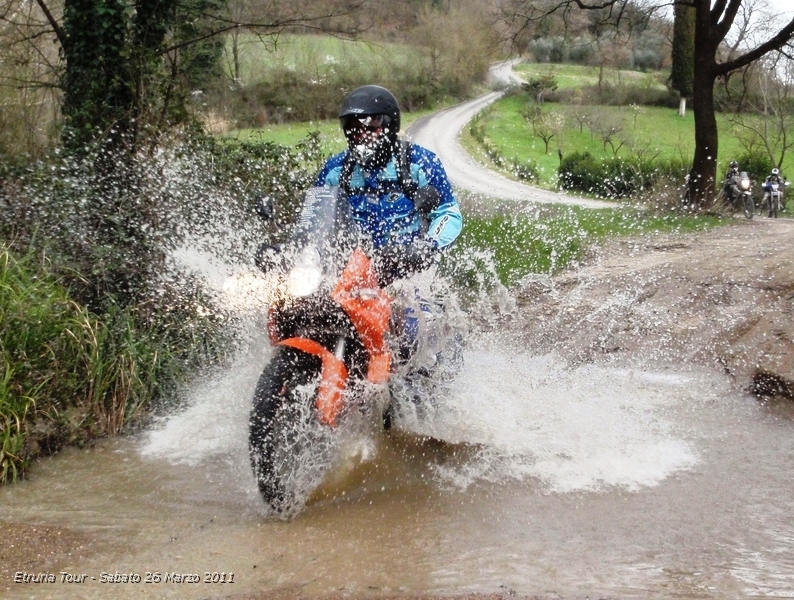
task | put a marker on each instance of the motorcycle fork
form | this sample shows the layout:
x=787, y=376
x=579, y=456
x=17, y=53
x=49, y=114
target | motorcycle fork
x=339, y=348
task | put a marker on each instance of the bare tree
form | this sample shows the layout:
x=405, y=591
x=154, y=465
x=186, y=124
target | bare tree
x=28, y=98
x=545, y=124
x=768, y=122
x=610, y=129
x=581, y=115
x=461, y=58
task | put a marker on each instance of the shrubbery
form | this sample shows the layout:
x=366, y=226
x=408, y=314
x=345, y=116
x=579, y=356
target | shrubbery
x=757, y=164
x=96, y=329
x=68, y=375
x=614, y=95
x=614, y=177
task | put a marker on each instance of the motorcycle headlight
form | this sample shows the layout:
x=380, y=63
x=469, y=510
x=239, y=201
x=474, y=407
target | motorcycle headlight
x=745, y=183
x=305, y=276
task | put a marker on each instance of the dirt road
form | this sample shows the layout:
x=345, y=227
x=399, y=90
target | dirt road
x=440, y=132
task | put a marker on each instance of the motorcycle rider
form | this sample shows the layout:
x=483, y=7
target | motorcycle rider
x=774, y=177
x=399, y=192
x=731, y=183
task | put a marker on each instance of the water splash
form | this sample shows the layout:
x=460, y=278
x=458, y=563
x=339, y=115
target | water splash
x=572, y=429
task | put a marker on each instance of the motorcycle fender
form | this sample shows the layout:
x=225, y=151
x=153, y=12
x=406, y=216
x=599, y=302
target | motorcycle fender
x=369, y=308
x=333, y=378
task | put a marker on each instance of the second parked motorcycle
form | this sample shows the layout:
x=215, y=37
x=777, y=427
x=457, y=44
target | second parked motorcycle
x=775, y=197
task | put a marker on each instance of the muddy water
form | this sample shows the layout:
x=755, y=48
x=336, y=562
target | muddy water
x=541, y=479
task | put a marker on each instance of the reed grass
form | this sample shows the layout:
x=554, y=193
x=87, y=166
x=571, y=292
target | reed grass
x=67, y=375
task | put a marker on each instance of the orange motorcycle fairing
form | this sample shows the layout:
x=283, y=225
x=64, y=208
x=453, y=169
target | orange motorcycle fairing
x=369, y=308
x=333, y=378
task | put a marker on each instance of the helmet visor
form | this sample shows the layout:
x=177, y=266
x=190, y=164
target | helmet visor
x=352, y=123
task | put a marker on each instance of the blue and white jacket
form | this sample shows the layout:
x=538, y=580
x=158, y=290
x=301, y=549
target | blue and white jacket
x=383, y=210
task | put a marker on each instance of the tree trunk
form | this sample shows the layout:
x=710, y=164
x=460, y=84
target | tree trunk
x=703, y=176
x=97, y=95
x=236, y=56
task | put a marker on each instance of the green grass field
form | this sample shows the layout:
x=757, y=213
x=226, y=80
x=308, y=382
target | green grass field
x=554, y=237
x=313, y=55
x=658, y=132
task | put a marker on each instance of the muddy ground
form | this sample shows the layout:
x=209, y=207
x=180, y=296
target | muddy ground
x=721, y=299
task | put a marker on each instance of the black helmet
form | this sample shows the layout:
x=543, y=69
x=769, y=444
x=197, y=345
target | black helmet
x=370, y=119
x=734, y=165
x=372, y=100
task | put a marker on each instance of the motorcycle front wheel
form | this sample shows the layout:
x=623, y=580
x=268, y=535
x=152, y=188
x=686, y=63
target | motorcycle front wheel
x=288, y=446
x=749, y=206
x=774, y=205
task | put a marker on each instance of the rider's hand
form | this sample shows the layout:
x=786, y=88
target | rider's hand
x=395, y=261
x=426, y=200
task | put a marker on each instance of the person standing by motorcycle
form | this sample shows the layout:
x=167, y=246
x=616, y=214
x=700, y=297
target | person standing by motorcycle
x=774, y=177
x=731, y=183
x=399, y=192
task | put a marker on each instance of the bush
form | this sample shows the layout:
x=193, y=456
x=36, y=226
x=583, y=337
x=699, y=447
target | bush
x=612, y=95
x=646, y=59
x=613, y=177
x=527, y=170
x=81, y=358
x=548, y=49
x=67, y=375
x=757, y=164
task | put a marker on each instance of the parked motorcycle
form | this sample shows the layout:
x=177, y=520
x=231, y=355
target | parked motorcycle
x=739, y=191
x=339, y=339
x=775, y=198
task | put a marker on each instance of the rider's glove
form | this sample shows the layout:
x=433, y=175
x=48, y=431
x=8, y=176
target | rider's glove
x=426, y=199
x=395, y=261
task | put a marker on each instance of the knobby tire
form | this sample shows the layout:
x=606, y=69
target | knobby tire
x=283, y=404
x=749, y=207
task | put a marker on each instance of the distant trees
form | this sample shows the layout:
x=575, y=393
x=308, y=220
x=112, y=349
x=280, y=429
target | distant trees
x=457, y=42
x=131, y=65
x=765, y=124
